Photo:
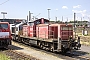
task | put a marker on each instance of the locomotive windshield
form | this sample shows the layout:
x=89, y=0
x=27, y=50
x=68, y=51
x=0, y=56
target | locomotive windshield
x=5, y=26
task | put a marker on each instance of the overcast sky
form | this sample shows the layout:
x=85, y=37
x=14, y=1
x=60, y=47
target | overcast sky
x=19, y=8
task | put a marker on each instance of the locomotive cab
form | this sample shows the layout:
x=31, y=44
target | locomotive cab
x=66, y=31
x=5, y=34
x=68, y=42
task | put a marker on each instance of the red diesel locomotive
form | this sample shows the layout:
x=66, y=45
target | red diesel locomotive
x=48, y=36
x=5, y=34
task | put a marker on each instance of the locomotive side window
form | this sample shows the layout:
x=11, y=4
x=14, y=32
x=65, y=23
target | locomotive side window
x=37, y=22
x=64, y=28
x=70, y=28
x=4, y=26
x=31, y=24
x=45, y=22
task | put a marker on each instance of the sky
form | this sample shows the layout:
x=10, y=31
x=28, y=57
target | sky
x=19, y=9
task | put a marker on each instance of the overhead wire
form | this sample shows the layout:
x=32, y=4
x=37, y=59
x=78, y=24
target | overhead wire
x=4, y=2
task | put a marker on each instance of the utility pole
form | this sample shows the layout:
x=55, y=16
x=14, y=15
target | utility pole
x=75, y=24
x=62, y=18
x=81, y=21
x=27, y=19
x=74, y=20
x=56, y=19
x=67, y=19
x=3, y=14
x=56, y=16
x=49, y=13
x=30, y=15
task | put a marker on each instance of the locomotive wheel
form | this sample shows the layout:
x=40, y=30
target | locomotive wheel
x=13, y=37
x=41, y=46
x=22, y=40
x=6, y=47
x=77, y=47
x=19, y=40
x=63, y=49
x=29, y=43
x=51, y=48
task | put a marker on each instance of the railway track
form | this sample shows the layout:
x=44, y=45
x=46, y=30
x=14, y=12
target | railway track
x=76, y=55
x=18, y=55
x=14, y=55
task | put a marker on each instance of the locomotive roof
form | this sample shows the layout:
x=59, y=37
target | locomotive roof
x=42, y=24
x=65, y=25
x=4, y=22
x=41, y=18
x=56, y=24
x=31, y=21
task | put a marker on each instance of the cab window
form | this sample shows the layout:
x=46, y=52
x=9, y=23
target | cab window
x=5, y=26
x=70, y=28
x=64, y=28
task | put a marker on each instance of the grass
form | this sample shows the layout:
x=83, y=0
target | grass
x=85, y=39
x=85, y=43
x=79, y=31
x=4, y=57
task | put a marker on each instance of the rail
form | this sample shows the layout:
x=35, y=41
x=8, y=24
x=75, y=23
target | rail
x=18, y=55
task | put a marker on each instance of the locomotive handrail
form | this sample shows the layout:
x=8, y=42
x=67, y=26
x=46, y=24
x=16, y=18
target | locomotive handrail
x=51, y=35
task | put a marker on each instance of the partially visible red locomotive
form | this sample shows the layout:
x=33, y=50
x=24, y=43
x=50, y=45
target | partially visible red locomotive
x=48, y=36
x=5, y=34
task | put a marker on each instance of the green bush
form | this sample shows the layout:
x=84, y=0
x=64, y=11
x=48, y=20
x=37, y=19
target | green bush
x=4, y=57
